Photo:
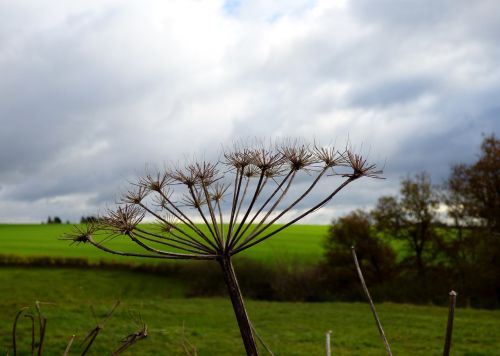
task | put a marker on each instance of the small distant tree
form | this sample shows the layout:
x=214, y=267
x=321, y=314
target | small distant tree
x=88, y=219
x=55, y=220
x=412, y=217
x=239, y=200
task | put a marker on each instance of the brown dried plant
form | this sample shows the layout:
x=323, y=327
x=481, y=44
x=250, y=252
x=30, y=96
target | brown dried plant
x=238, y=200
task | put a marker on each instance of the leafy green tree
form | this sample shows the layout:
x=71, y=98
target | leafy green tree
x=412, y=217
x=375, y=256
x=475, y=188
x=472, y=196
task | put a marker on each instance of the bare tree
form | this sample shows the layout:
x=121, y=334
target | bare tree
x=239, y=200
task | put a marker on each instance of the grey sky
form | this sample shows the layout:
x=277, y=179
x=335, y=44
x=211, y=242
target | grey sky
x=93, y=91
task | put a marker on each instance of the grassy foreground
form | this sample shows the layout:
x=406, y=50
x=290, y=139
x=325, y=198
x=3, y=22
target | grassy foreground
x=209, y=324
x=300, y=243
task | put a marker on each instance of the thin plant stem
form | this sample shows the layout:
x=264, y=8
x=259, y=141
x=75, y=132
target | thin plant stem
x=193, y=195
x=159, y=252
x=14, y=328
x=261, y=340
x=256, y=194
x=185, y=219
x=372, y=306
x=91, y=336
x=68, y=346
x=137, y=235
x=221, y=221
x=179, y=256
x=178, y=239
x=269, y=212
x=42, y=324
x=212, y=214
x=165, y=221
x=237, y=187
x=298, y=200
x=242, y=198
x=251, y=242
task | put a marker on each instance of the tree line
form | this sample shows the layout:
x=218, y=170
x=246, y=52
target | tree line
x=429, y=238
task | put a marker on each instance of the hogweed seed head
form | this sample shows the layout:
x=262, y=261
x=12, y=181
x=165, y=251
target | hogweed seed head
x=81, y=234
x=123, y=220
x=360, y=166
x=298, y=156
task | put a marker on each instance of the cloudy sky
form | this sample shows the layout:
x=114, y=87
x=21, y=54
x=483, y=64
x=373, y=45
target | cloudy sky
x=92, y=91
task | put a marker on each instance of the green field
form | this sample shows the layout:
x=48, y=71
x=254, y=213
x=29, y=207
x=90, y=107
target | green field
x=298, y=243
x=288, y=328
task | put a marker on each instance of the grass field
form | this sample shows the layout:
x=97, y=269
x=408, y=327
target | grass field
x=288, y=328
x=298, y=243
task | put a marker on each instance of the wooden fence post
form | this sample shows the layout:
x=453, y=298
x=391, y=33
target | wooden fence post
x=449, y=327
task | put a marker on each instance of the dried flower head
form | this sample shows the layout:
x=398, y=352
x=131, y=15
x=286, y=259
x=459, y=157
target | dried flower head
x=218, y=191
x=155, y=182
x=329, y=156
x=184, y=176
x=360, y=167
x=167, y=224
x=238, y=158
x=251, y=171
x=266, y=159
x=135, y=196
x=163, y=199
x=299, y=156
x=122, y=220
x=196, y=199
x=81, y=234
x=205, y=172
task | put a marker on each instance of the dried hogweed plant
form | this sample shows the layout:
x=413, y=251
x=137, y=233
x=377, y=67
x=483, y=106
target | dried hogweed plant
x=239, y=200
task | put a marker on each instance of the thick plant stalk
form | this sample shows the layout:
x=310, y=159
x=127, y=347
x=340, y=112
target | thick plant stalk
x=449, y=327
x=238, y=305
x=372, y=306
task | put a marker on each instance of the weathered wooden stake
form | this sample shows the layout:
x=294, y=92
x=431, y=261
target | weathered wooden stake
x=372, y=306
x=328, y=349
x=449, y=327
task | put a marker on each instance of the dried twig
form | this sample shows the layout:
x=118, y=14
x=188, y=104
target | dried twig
x=131, y=339
x=68, y=346
x=372, y=306
x=268, y=349
x=14, y=329
x=42, y=322
x=91, y=336
x=186, y=345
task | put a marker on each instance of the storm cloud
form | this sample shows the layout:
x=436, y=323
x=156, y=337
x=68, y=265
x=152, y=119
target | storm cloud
x=92, y=92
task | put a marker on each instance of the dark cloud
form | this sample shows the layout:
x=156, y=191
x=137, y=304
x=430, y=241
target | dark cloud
x=388, y=92
x=92, y=91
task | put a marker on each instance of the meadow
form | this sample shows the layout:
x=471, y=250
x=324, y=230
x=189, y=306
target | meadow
x=298, y=243
x=176, y=320
x=209, y=323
